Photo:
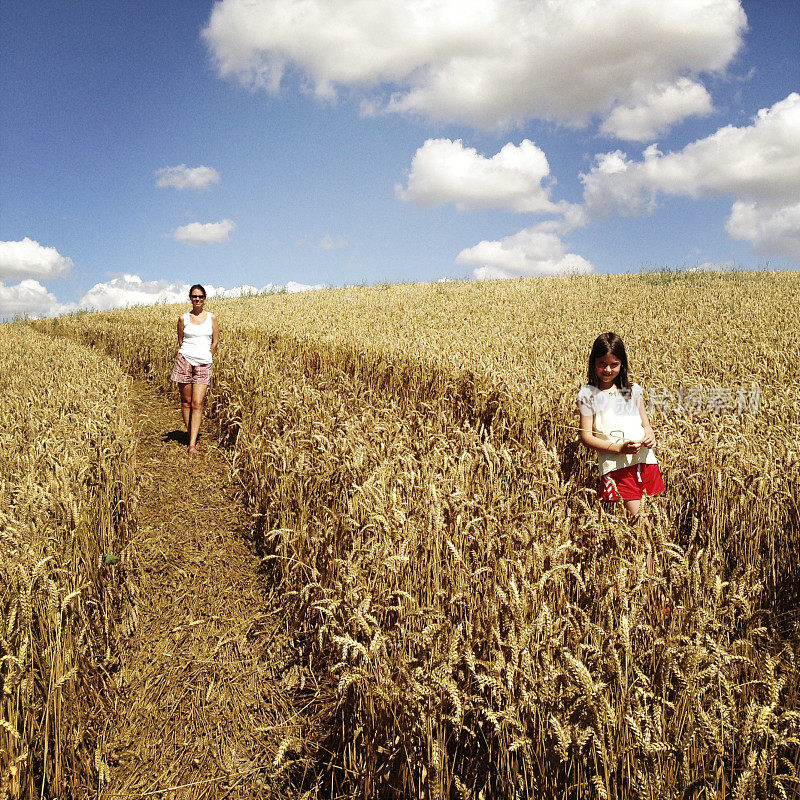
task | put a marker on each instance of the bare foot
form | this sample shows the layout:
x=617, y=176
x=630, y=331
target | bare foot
x=193, y=448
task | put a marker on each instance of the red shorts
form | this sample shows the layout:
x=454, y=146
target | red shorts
x=184, y=372
x=632, y=482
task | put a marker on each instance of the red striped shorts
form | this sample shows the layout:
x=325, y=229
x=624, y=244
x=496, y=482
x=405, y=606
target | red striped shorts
x=631, y=482
x=184, y=372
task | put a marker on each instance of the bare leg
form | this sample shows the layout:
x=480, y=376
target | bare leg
x=658, y=595
x=633, y=507
x=186, y=402
x=198, y=401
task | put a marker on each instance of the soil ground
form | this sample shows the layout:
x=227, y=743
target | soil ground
x=206, y=674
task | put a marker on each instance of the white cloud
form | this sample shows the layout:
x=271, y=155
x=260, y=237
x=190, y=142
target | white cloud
x=183, y=177
x=198, y=233
x=770, y=229
x=29, y=259
x=757, y=165
x=293, y=288
x=130, y=290
x=444, y=171
x=327, y=242
x=533, y=251
x=658, y=110
x=758, y=162
x=611, y=185
x=124, y=291
x=482, y=63
x=333, y=243
x=713, y=266
x=28, y=299
x=237, y=291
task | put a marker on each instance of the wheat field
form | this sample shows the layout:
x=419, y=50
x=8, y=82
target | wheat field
x=472, y=623
x=67, y=503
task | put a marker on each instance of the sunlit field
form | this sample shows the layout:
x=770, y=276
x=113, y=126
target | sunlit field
x=66, y=506
x=472, y=622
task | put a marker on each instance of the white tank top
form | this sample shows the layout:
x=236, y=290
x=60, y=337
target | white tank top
x=196, y=346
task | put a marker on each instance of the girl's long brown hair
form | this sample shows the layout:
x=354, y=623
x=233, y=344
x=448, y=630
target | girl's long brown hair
x=604, y=344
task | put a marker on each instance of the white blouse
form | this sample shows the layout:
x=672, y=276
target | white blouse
x=616, y=419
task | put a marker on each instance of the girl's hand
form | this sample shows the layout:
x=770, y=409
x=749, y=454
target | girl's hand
x=649, y=438
x=630, y=448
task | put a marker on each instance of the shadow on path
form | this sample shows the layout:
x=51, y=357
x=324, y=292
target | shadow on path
x=180, y=437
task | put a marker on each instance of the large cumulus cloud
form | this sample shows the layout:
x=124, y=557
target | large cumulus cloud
x=29, y=259
x=477, y=62
x=532, y=252
x=29, y=298
x=757, y=165
x=444, y=171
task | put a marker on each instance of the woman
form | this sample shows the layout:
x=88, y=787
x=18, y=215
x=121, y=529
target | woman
x=198, y=336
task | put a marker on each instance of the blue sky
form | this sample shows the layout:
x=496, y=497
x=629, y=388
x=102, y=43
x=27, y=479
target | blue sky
x=339, y=142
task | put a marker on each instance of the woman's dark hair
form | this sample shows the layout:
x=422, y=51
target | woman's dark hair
x=199, y=287
x=604, y=344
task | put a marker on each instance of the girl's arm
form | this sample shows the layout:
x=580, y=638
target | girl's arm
x=649, y=439
x=180, y=331
x=214, y=334
x=590, y=439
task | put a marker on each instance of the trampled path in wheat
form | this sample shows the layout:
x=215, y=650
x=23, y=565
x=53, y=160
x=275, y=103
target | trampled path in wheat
x=201, y=709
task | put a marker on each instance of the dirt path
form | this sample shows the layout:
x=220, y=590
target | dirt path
x=203, y=706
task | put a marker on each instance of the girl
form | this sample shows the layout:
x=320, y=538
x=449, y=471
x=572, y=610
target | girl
x=198, y=336
x=614, y=422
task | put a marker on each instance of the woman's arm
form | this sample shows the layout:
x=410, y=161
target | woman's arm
x=214, y=334
x=649, y=439
x=590, y=439
x=180, y=331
